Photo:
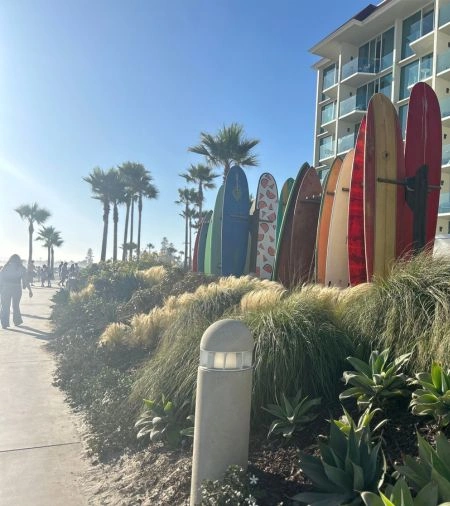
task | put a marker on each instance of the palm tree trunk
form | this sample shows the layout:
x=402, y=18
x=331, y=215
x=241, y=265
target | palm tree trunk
x=125, y=236
x=49, y=261
x=226, y=169
x=190, y=242
x=30, y=242
x=139, y=226
x=105, y=230
x=131, y=229
x=116, y=221
x=200, y=202
x=52, y=260
x=186, y=237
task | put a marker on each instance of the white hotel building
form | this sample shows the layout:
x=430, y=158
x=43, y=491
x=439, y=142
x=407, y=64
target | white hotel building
x=385, y=48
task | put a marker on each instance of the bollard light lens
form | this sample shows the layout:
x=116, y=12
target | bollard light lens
x=225, y=360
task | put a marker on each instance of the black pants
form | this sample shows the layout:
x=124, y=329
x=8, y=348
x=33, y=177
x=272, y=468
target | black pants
x=10, y=294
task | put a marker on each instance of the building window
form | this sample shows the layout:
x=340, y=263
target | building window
x=403, y=115
x=329, y=77
x=380, y=85
x=413, y=72
x=328, y=113
x=326, y=148
x=387, y=49
x=414, y=27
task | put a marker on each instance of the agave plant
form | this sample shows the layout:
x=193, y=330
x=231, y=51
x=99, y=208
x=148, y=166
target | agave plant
x=163, y=421
x=400, y=495
x=432, y=465
x=347, y=466
x=376, y=382
x=291, y=415
x=434, y=397
x=346, y=422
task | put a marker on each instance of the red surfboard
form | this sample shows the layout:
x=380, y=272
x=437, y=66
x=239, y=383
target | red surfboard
x=356, y=243
x=304, y=228
x=384, y=164
x=424, y=147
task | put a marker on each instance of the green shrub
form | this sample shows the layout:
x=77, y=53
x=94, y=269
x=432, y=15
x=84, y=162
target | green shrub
x=433, y=465
x=291, y=415
x=434, y=397
x=408, y=311
x=378, y=381
x=400, y=495
x=347, y=466
x=346, y=422
x=163, y=421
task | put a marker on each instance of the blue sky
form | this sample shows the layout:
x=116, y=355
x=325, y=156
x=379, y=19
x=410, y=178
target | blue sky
x=87, y=83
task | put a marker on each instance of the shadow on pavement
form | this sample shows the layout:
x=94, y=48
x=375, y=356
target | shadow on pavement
x=36, y=316
x=30, y=331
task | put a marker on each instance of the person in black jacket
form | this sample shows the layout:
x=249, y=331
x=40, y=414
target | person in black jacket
x=13, y=277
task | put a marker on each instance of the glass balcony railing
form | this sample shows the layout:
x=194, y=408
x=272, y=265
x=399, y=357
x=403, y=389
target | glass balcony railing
x=346, y=143
x=351, y=104
x=328, y=114
x=443, y=61
x=358, y=65
x=444, y=203
x=329, y=80
x=444, y=15
x=446, y=154
x=445, y=107
x=326, y=151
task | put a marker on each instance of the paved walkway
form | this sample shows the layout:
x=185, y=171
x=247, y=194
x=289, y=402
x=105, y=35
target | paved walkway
x=40, y=450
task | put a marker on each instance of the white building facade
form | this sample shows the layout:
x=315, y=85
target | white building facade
x=386, y=48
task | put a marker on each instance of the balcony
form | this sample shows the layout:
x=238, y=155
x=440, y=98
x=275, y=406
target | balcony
x=444, y=19
x=445, y=111
x=446, y=155
x=423, y=45
x=326, y=151
x=352, y=109
x=346, y=143
x=358, y=71
x=444, y=203
x=443, y=65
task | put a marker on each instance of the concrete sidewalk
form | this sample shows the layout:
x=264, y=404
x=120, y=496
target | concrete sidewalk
x=40, y=449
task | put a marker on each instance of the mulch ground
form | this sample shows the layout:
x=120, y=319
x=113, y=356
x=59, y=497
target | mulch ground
x=158, y=476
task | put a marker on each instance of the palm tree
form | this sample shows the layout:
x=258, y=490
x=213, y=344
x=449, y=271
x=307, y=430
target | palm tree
x=228, y=146
x=101, y=186
x=186, y=196
x=33, y=214
x=203, y=176
x=51, y=238
x=118, y=195
x=138, y=182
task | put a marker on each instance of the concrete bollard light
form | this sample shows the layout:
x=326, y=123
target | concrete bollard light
x=222, y=410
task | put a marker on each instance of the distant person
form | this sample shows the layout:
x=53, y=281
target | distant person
x=45, y=276
x=13, y=277
x=64, y=274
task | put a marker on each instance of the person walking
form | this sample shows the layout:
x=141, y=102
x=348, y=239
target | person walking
x=13, y=277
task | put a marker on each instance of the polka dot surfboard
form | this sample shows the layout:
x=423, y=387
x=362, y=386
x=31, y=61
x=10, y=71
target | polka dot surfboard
x=267, y=205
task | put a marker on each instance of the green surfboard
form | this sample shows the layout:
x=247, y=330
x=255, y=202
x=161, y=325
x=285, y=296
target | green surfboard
x=282, y=202
x=213, y=251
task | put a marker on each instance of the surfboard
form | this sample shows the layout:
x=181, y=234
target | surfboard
x=235, y=219
x=195, y=255
x=323, y=226
x=304, y=228
x=384, y=163
x=213, y=249
x=356, y=243
x=423, y=146
x=202, y=242
x=336, y=268
x=282, y=203
x=267, y=205
x=281, y=270
x=250, y=262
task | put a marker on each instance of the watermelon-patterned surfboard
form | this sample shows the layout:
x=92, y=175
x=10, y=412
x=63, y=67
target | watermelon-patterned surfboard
x=267, y=204
x=356, y=243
